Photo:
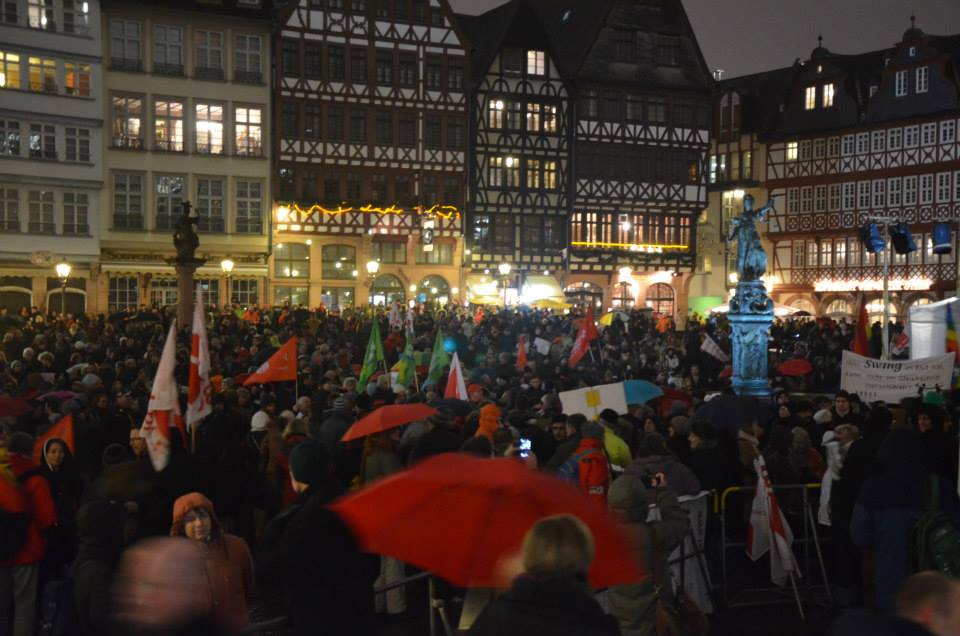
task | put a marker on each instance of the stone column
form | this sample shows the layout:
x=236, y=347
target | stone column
x=751, y=314
x=185, y=294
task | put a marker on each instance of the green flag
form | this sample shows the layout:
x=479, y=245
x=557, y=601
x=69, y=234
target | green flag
x=372, y=357
x=405, y=367
x=438, y=360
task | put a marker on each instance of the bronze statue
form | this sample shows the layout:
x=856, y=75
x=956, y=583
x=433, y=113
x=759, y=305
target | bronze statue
x=185, y=238
x=751, y=259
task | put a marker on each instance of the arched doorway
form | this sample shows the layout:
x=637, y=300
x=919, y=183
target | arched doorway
x=584, y=293
x=803, y=304
x=875, y=311
x=386, y=289
x=76, y=301
x=660, y=298
x=432, y=289
x=838, y=308
x=13, y=299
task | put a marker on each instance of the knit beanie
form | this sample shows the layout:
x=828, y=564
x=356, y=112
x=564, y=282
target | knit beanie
x=189, y=502
x=609, y=416
x=310, y=463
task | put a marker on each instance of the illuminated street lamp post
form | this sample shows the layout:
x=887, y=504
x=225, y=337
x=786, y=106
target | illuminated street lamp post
x=227, y=266
x=504, y=269
x=372, y=268
x=63, y=273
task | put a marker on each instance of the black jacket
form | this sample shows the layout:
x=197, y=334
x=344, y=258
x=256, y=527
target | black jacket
x=559, y=606
x=311, y=556
x=434, y=442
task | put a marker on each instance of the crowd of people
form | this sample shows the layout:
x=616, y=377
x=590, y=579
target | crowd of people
x=239, y=517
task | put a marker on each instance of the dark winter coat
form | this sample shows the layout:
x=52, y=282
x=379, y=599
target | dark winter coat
x=559, y=606
x=681, y=480
x=101, y=528
x=310, y=556
x=714, y=469
x=435, y=441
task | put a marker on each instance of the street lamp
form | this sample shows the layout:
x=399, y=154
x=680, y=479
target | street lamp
x=63, y=273
x=504, y=269
x=372, y=268
x=227, y=266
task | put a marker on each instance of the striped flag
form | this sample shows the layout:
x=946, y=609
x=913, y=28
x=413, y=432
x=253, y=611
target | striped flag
x=199, y=393
x=711, y=347
x=769, y=530
x=952, y=344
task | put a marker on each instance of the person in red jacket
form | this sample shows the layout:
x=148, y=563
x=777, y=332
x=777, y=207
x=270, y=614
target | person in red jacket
x=19, y=576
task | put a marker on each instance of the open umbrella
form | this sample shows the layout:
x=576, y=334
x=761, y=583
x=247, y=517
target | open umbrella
x=60, y=395
x=731, y=412
x=641, y=391
x=460, y=516
x=671, y=395
x=387, y=417
x=14, y=406
x=796, y=366
x=456, y=408
x=607, y=319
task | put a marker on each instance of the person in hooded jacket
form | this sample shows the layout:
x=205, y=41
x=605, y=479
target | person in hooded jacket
x=888, y=508
x=100, y=526
x=654, y=457
x=57, y=465
x=229, y=566
x=635, y=605
x=552, y=595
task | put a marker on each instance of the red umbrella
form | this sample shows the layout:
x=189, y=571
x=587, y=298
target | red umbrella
x=726, y=373
x=14, y=406
x=671, y=395
x=387, y=417
x=796, y=366
x=460, y=516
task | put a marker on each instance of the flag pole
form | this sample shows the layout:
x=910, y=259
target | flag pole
x=796, y=595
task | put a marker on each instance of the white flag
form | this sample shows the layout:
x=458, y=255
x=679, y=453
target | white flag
x=769, y=530
x=456, y=388
x=711, y=347
x=394, y=315
x=200, y=392
x=163, y=410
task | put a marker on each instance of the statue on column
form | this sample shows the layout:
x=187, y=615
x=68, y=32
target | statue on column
x=185, y=238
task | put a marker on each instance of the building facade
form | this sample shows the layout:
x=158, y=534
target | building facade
x=371, y=153
x=854, y=139
x=51, y=129
x=187, y=104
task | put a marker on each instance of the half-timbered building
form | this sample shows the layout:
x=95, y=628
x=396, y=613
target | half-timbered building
x=639, y=135
x=849, y=139
x=371, y=152
x=520, y=152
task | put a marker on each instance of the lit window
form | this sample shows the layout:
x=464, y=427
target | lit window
x=792, y=150
x=810, y=98
x=533, y=174
x=43, y=141
x=495, y=110
x=549, y=175
x=248, y=129
x=127, y=116
x=43, y=74
x=9, y=70
x=923, y=79
x=168, y=126
x=535, y=63
x=900, y=86
x=76, y=78
x=9, y=138
x=827, y=95
x=40, y=14
x=209, y=129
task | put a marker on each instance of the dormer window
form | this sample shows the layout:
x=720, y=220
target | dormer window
x=913, y=51
x=900, y=87
x=819, y=68
x=536, y=62
x=810, y=98
x=923, y=79
x=827, y=98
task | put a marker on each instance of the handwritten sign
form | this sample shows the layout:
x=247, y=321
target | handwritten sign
x=893, y=380
x=590, y=401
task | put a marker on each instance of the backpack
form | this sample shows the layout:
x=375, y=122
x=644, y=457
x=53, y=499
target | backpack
x=14, y=523
x=589, y=470
x=936, y=537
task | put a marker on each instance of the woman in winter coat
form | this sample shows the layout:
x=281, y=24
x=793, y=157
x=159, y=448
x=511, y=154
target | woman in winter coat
x=552, y=595
x=58, y=466
x=888, y=508
x=381, y=458
x=654, y=457
x=635, y=605
x=229, y=566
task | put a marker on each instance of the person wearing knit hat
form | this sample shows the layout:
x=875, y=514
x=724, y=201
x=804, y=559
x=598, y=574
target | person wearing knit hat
x=310, y=466
x=489, y=421
x=617, y=450
x=229, y=566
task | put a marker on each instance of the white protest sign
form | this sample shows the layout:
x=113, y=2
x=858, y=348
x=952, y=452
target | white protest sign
x=893, y=380
x=591, y=400
x=542, y=345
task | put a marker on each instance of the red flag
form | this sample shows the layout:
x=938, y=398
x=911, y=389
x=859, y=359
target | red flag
x=477, y=317
x=163, y=407
x=587, y=332
x=861, y=335
x=63, y=429
x=522, y=353
x=456, y=388
x=280, y=367
x=199, y=395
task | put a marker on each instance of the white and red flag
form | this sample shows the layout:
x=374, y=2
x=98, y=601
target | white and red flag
x=281, y=367
x=200, y=392
x=163, y=409
x=456, y=388
x=769, y=530
x=587, y=332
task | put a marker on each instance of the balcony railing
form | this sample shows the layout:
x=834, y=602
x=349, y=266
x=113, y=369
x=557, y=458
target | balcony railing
x=248, y=77
x=76, y=229
x=40, y=227
x=208, y=72
x=163, y=68
x=855, y=276
x=207, y=224
x=124, y=141
x=166, y=221
x=132, y=65
x=127, y=222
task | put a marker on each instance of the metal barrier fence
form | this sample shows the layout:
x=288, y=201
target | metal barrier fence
x=807, y=539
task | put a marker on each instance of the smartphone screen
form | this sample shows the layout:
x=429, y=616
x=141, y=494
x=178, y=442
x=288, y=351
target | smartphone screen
x=524, y=447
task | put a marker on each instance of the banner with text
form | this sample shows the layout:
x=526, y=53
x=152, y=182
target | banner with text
x=893, y=380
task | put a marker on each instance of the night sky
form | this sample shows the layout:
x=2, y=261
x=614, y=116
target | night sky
x=765, y=34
